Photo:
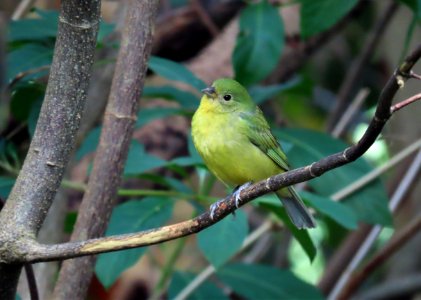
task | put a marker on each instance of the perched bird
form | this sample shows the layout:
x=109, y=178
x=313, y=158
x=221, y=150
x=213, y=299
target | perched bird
x=234, y=139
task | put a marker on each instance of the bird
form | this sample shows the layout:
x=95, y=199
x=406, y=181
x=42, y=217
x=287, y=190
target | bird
x=234, y=139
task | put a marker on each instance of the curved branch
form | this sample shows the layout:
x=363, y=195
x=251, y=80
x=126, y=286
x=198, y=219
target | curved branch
x=38, y=252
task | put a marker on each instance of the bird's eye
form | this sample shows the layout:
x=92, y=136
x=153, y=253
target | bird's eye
x=227, y=97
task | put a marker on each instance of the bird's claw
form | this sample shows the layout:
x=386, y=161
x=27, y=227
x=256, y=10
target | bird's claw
x=238, y=191
x=214, y=207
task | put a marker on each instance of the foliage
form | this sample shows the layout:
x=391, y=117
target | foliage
x=184, y=180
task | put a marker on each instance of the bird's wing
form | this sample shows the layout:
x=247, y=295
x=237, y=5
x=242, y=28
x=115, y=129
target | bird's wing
x=259, y=134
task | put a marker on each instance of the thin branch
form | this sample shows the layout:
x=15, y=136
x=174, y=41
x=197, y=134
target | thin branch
x=358, y=66
x=118, y=126
x=32, y=283
x=394, y=244
x=397, y=197
x=205, y=17
x=22, y=9
x=404, y=103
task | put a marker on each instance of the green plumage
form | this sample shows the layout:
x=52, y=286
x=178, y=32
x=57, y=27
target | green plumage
x=234, y=139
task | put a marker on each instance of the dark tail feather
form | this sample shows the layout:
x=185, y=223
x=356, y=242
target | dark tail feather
x=295, y=208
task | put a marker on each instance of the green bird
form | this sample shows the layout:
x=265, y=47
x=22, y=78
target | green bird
x=234, y=139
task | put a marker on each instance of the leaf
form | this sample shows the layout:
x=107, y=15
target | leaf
x=131, y=216
x=175, y=71
x=43, y=27
x=337, y=211
x=221, y=241
x=262, y=93
x=147, y=115
x=415, y=6
x=266, y=282
x=90, y=143
x=23, y=99
x=259, y=43
x=28, y=57
x=6, y=185
x=207, y=290
x=138, y=161
x=370, y=204
x=317, y=16
x=185, y=99
x=33, y=116
x=302, y=236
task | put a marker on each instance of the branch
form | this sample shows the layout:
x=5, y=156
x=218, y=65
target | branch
x=396, y=242
x=37, y=252
x=118, y=126
x=54, y=138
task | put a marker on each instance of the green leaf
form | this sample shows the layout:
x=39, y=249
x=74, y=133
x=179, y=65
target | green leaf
x=23, y=99
x=415, y=6
x=131, y=216
x=266, y=282
x=259, y=43
x=185, y=99
x=33, y=116
x=317, y=16
x=370, y=204
x=302, y=236
x=6, y=185
x=28, y=57
x=147, y=115
x=89, y=144
x=262, y=93
x=138, y=161
x=207, y=290
x=221, y=241
x=337, y=211
x=43, y=27
x=175, y=71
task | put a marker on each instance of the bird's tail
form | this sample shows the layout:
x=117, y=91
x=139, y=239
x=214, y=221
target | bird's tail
x=295, y=208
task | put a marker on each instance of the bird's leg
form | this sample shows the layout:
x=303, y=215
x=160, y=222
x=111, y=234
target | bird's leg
x=238, y=190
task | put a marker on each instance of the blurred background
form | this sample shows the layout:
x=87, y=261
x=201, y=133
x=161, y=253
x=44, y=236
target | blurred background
x=316, y=68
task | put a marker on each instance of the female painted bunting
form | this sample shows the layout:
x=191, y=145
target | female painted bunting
x=234, y=139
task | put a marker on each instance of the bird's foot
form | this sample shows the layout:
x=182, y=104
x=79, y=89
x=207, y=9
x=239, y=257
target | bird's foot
x=214, y=207
x=238, y=190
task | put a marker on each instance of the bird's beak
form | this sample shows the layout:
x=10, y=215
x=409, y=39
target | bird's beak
x=209, y=91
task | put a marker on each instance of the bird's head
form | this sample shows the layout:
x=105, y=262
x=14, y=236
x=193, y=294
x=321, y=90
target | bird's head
x=226, y=95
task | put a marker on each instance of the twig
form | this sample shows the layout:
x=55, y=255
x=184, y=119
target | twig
x=404, y=103
x=371, y=238
x=350, y=112
x=357, y=67
x=22, y=9
x=205, y=18
x=118, y=126
x=21, y=75
x=210, y=270
x=349, y=189
x=395, y=243
x=32, y=283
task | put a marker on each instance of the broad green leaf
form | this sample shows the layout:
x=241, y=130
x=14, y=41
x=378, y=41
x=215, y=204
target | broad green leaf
x=28, y=57
x=302, y=236
x=131, y=216
x=262, y=93
x=33, y=116
x=43, y=27
x=221, y=241
x=174, y=71
x=337, y=211
x=23, y=98
x=185, y=99
x=69, y=222
x=207, y=290
x=317, y=16
x=147, y=115
x=266, y=282
x=6, y=185
x=138, y=161
x=259, y=42
x=89, y=144
x=370, y=204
